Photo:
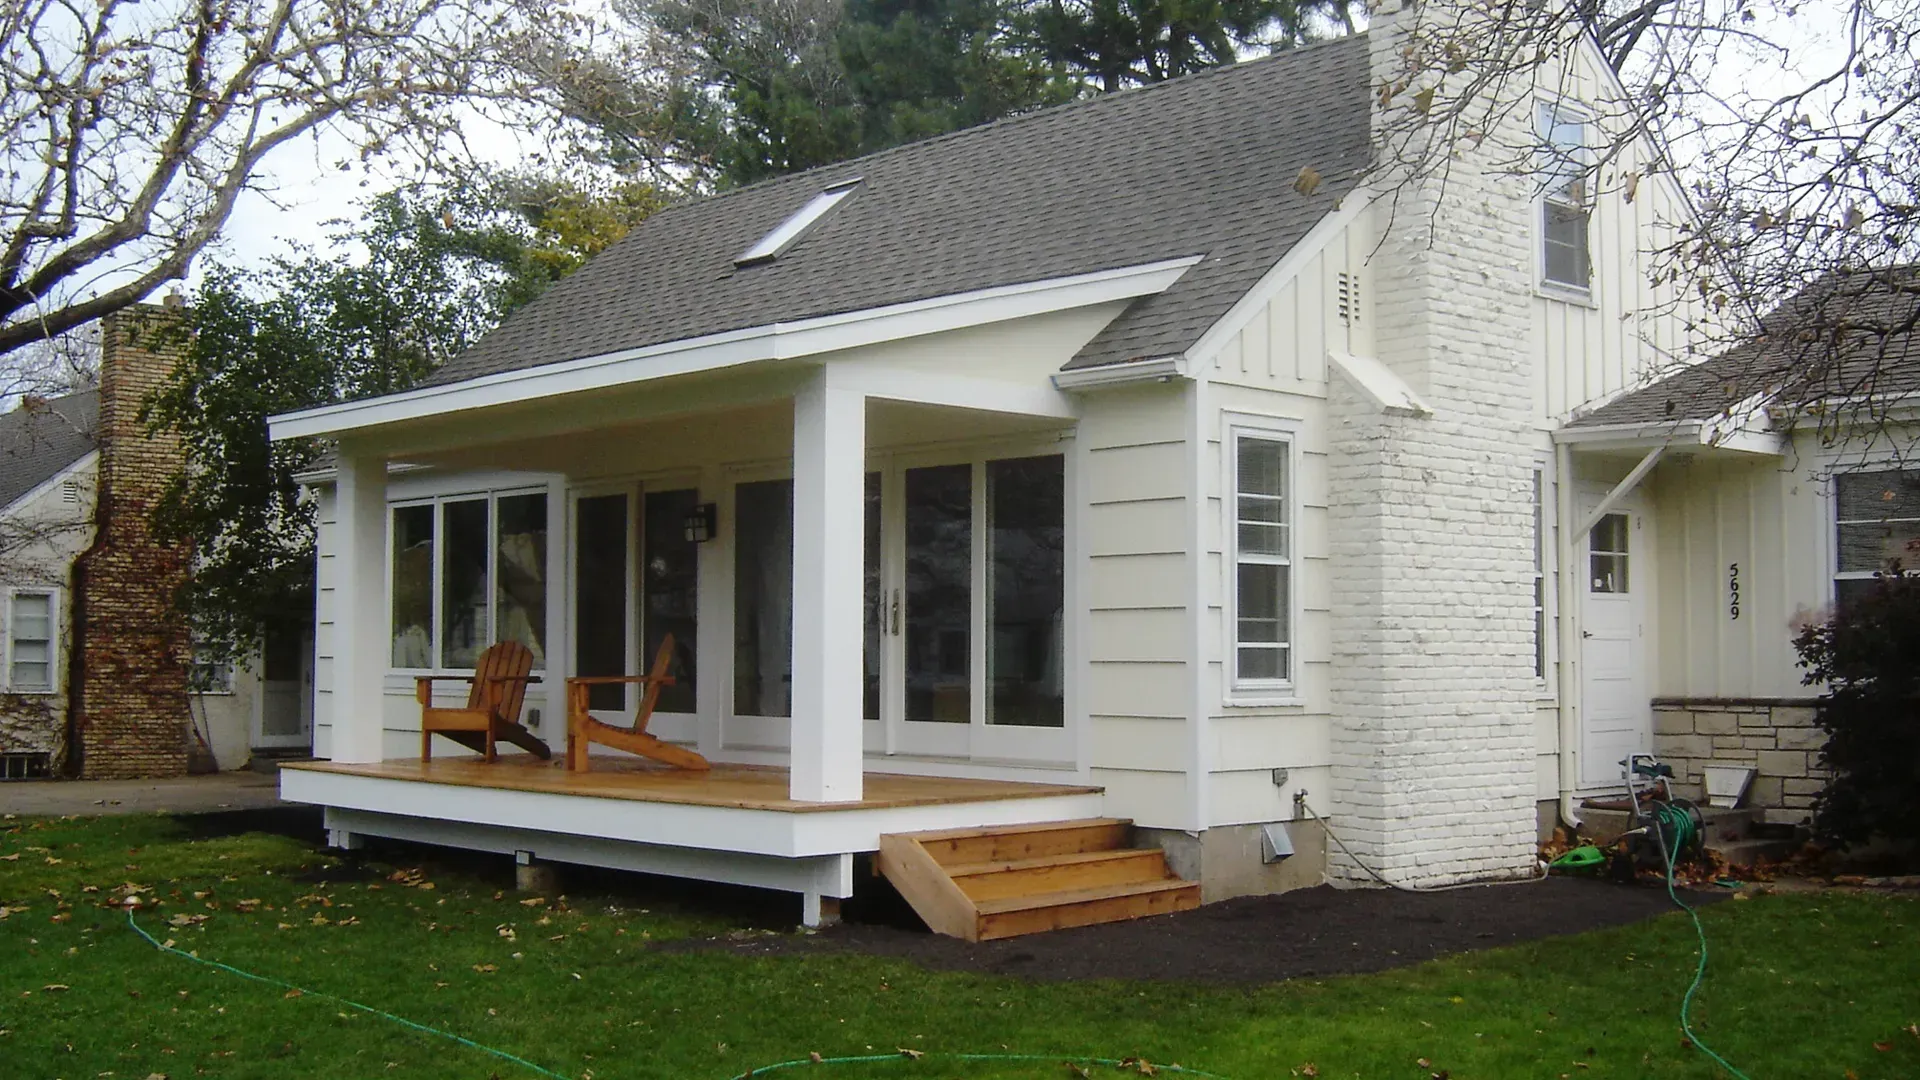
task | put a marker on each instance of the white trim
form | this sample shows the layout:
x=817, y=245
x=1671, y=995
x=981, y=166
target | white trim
x=957, y=391
x=80, y=464
x=1256, y=299
x=1200, y=724
x=781, y=833
x=1246, y=692
x=795, y=225
x=1584, y=295
x=55, y=606
x=1127, y=373
x=774, y=341
x=1379, y=384
x=1715, y=434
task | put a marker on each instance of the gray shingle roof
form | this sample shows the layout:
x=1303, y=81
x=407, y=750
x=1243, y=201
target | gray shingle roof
x=1203, y=165
x=1846, y=336
x=40, y=439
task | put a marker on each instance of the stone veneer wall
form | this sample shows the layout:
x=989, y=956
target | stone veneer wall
x=131, y=707
x=1775, y=736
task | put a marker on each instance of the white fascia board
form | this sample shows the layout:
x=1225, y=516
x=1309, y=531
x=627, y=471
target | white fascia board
x=1716, y=434
x=1250, y=304
x=81, y=464
x=1156, y=369
x=774, y=341
x=1378, y=382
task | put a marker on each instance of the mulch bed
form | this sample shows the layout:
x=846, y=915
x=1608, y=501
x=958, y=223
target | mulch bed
x=1256, y=939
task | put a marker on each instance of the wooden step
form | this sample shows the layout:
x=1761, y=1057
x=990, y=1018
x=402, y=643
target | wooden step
x=1022, y=879
x=1018, y=915
x=1059, y=873
x=954, y=847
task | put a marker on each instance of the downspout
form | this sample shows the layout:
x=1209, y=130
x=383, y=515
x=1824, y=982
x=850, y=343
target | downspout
x=1567, y=548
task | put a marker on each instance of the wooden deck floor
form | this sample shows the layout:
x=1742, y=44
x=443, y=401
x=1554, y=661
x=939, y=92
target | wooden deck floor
x=745, y=787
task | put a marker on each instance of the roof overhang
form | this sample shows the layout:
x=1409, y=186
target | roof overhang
x=1718, y=434
x=775, y=341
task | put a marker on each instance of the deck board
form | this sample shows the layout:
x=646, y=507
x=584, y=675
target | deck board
x=745, y=787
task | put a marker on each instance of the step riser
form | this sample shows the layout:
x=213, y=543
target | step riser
x=1029, y=845
x=1126, y=868
x=1060, y=917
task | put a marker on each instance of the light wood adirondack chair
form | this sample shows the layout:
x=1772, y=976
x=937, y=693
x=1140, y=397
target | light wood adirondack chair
x=583, y=730
x=492, y=713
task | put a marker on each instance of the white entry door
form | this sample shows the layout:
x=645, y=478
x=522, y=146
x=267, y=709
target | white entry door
x=1616, y=714
x=283, y=720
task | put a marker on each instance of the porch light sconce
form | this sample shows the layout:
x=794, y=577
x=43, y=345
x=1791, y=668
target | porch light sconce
x=701, y=523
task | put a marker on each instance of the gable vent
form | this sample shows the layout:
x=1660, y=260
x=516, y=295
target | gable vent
x=787, y=232
x=1347, y=297
x=70, y=492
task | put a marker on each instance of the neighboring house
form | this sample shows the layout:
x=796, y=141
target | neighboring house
x=99, y=680
x=1097, y=447
x=1822, y=493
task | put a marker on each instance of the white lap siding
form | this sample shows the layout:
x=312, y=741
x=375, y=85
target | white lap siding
x=1137, y=646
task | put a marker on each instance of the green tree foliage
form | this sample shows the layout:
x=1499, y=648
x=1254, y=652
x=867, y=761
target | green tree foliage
x=749, y=89
x=1119, y=43
x=1868, y=658
x=420, y=280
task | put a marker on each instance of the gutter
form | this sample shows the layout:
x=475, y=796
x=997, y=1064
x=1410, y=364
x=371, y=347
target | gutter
x=1157, y=369
x=1568, y=623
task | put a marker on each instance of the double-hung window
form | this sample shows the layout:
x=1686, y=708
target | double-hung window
x=1263, y=552
x=205, y=675
x=1877, y=523
x=467, y=571
x=31, y=641
x=1566, y=199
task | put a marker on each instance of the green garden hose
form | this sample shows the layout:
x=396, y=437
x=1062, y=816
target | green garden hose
x=1685, y=832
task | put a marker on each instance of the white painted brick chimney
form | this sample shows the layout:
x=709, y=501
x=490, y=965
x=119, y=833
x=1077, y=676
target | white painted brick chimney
x=1432, y=519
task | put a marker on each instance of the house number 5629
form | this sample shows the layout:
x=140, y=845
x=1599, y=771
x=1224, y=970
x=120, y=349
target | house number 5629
x=1733, y=590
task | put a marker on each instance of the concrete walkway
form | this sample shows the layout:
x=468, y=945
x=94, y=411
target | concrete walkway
x=241, y=790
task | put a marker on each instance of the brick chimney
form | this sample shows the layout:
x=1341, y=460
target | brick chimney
x=131, y=709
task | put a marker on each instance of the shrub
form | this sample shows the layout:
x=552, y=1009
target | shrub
x=1868, y=657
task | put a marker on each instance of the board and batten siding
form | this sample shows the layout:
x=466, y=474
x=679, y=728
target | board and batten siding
x=1136, y=510
x=1769, y=516
x=1630, y=330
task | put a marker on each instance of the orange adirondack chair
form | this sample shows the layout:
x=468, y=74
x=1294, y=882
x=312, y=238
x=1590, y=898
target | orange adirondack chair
x=583, y=730
x=492, y=713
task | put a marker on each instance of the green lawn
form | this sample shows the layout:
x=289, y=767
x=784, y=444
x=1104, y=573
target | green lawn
x=1801, y=986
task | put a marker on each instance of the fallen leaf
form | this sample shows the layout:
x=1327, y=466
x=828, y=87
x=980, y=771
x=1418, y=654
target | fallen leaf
x=486, y=969
x=1308, y=181
x=55, y=988
x=814, y=1056
x=912, y=1055
x=294, y=993
x=1883, y=1047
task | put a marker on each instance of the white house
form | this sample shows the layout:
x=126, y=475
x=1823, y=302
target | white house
x=1098, y=448
x=99, y=678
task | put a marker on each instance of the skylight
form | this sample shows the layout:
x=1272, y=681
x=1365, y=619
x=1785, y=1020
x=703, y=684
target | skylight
x=784, y=234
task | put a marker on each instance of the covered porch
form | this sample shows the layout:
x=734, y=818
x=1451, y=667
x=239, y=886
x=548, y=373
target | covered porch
x=867, y=566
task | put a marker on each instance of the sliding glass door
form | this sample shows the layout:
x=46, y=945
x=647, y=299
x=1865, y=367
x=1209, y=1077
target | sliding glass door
x=966, y=591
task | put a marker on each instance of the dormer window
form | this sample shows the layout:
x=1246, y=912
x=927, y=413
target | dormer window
x=784, y=234
x=1566, y=200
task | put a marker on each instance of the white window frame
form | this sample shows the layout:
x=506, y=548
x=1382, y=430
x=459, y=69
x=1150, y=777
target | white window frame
x=222, y=687
x=492, y=496
x=53, y=593
x=1834, y=521
x=1241, y=691
x=1561, y=111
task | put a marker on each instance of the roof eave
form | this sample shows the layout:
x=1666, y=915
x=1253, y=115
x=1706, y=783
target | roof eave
x=775, y=341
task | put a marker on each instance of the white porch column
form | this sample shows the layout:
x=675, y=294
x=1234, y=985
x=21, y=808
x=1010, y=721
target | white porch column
x=360, y=633
x=829, y=474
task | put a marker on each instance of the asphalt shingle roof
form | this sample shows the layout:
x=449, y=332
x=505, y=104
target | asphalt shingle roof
x=1846, y=336
x=1202, y=165
x=40, y=438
